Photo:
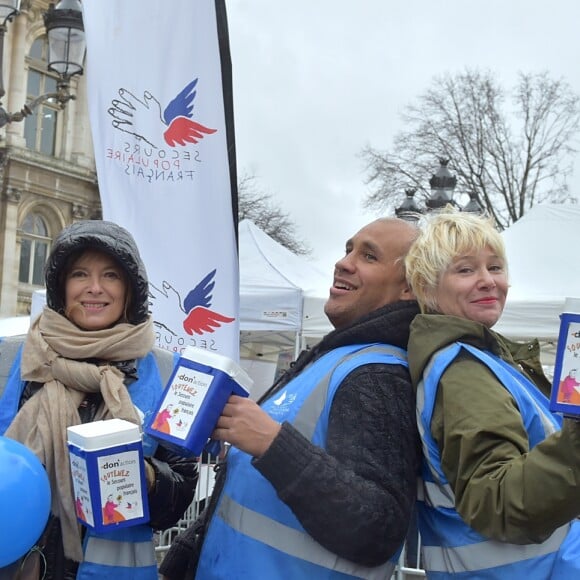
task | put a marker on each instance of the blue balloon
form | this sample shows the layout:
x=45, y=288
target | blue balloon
x=24, y=500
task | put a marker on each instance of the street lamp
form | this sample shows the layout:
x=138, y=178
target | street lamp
x=442, y=184
x=66, y=52
x=409, y=210
x=8, y=11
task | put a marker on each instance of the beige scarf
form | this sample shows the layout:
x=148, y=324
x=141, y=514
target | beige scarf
x=53, y=354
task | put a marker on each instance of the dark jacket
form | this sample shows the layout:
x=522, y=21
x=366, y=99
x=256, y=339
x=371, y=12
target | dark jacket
x=503, y=490
x=356, y=496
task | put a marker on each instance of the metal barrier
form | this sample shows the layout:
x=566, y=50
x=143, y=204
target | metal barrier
x=409, y=563
x=203, y=490
x=407, y=568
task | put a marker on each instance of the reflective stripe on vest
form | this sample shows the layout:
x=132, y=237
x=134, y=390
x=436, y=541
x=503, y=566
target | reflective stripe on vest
x=293, y=542
x=450, y=546
x=124, y=554
x=309, y=414
x=476, y=557
x=250, y=517
x=436, y=494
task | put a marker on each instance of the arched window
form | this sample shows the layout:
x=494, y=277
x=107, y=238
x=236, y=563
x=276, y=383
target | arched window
x=40, y=127
x=34, y=246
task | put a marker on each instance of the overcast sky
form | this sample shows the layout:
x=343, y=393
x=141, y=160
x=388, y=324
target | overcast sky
x=316, y=80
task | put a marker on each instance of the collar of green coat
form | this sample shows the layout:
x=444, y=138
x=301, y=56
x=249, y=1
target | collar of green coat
x=432, y=332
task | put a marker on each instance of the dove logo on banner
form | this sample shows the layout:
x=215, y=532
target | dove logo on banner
x=174, y=126
x=176, y=116
x=199, y=318
x=162, y=127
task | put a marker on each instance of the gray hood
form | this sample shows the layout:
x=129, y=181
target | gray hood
x=109, y=238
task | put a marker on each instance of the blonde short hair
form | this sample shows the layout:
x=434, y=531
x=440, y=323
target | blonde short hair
x=444, y=237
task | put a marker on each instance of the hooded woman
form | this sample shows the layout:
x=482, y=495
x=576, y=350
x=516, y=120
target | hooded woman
x=90, y=356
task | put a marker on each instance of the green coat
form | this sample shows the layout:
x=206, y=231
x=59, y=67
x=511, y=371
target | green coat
x=503, y=489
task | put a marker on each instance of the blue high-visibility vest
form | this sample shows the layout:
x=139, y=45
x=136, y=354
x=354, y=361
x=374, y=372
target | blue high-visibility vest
x=452, y=549
x=128, y=553
x=253, y=534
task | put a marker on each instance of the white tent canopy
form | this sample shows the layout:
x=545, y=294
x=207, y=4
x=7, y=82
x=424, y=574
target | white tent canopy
x=543, y=268
x=14, y=325
x=282, y=295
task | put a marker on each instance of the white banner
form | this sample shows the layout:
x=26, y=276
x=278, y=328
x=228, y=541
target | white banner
x=158, y=122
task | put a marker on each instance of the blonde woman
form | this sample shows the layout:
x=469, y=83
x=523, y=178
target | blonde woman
x=501, y=474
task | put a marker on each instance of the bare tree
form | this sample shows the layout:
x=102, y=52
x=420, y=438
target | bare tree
x=508, y=158
x=256, y=205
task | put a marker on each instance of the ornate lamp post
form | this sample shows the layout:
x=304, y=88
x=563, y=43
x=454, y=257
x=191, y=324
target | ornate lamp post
x=442, y=185
x=66, y=52
x=409, y=210
x=473, y=206
x=8, y=10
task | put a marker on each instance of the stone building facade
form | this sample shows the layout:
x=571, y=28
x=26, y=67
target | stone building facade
x=47, y=169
